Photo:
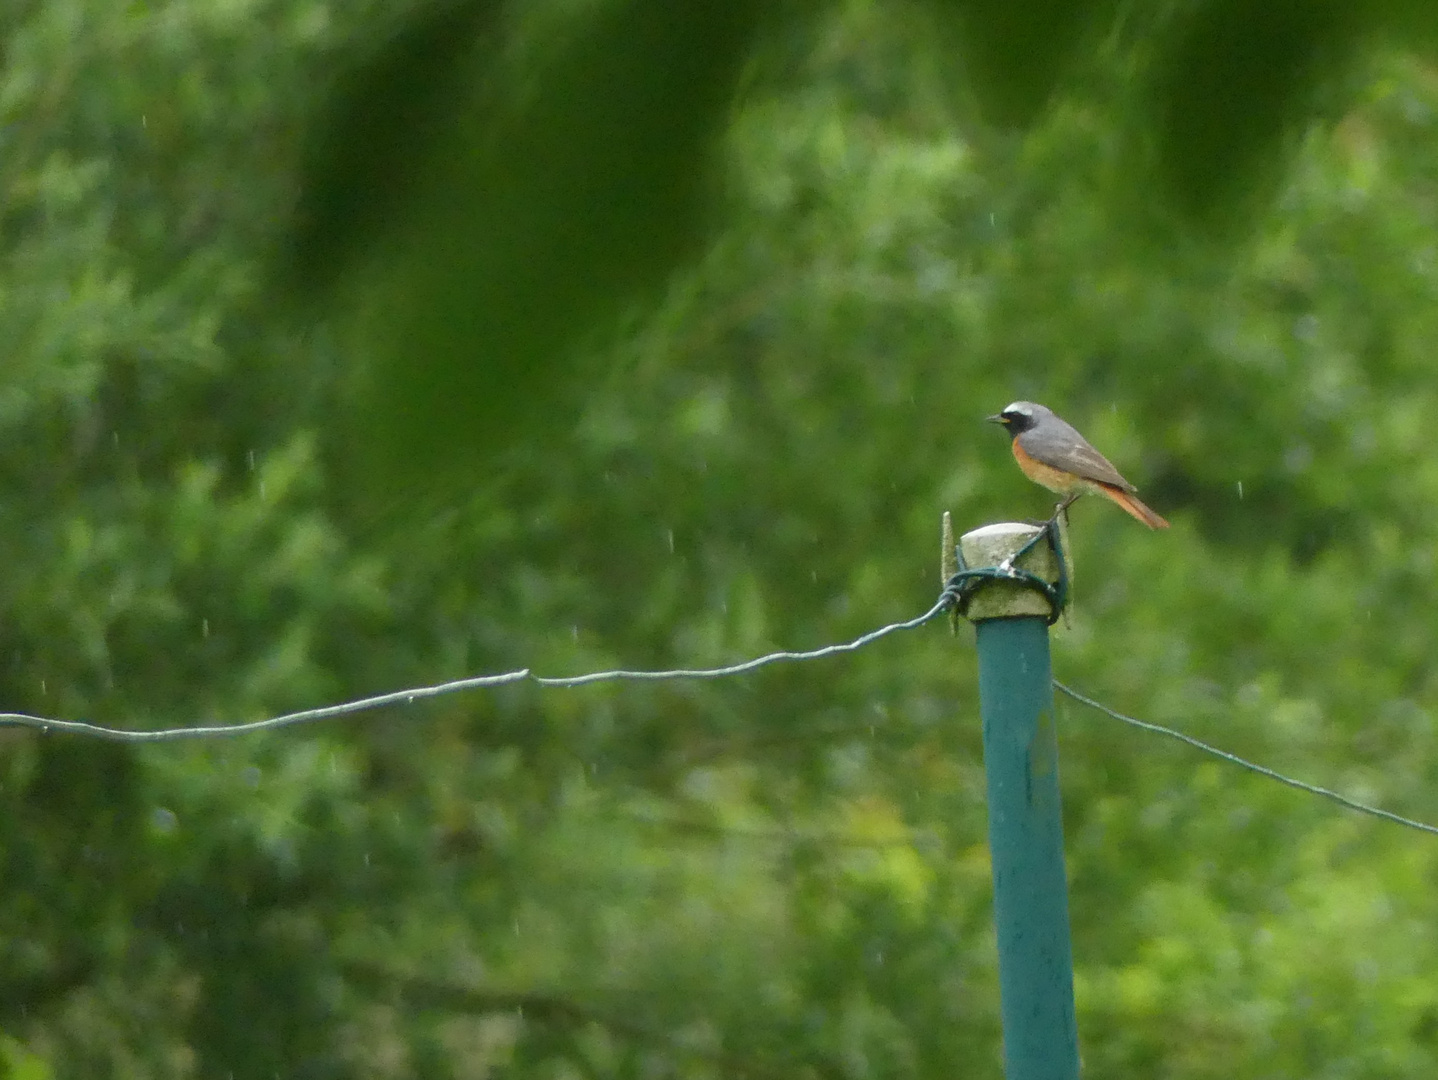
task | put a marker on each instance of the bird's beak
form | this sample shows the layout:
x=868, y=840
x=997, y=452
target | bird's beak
x=997, y=418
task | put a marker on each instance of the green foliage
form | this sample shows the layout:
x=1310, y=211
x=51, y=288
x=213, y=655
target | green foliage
x=779, y=875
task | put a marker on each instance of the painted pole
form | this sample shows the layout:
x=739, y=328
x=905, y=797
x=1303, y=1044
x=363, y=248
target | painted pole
x=1025, y=827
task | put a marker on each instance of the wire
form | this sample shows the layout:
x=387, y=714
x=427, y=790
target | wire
x=750, y=665
x=1261, y=770
x=325, y=712
x=407, y=697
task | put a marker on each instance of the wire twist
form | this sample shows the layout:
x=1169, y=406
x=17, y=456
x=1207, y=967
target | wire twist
x=962, y=585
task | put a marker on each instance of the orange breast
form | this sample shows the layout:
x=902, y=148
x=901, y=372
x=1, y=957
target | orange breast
x=1056, y=480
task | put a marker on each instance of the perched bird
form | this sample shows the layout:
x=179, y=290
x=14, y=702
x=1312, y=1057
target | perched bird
x=1052, y=453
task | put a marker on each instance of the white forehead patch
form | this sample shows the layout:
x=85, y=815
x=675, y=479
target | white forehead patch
x=1023, y=408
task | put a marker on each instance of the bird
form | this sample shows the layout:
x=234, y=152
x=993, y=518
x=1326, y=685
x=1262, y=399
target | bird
x=1052, y=453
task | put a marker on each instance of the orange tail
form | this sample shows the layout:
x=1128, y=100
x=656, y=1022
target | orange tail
x=1134, y=506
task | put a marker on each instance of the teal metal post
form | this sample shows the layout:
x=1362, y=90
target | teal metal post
x=1025, y=827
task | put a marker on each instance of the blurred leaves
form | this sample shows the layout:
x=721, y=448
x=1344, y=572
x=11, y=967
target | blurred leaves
x=1015, y=57
x=495, y=184
x=540, y=184
x=1236, y=84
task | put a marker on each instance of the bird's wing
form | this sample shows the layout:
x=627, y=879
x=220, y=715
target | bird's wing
x=1066, y=449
